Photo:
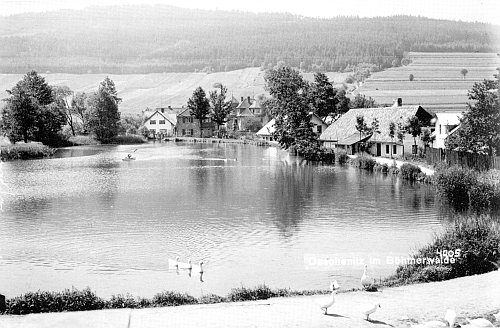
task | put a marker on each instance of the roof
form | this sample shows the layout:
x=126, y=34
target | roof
x=352, y=139
x=245, y=113
x=166, y=116
x=244, y=104
x=255, y=105
x=345, y=126
x=267, y=129
x=449, y=118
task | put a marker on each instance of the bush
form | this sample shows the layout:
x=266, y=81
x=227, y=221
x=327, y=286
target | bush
x=83, y=140
x=38, y=302
x=122, y=301
x=454, y=183
x=341, y=156
x=128, y=139
x=364, y=161
x=409, y=172
x=211, y=299
x=25, y=151
x=384, y=168
x=472, y=242
x=169, y=298
x=484, y=195
x=260, y=292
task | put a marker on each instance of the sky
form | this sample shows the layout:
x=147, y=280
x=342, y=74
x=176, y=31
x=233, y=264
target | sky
x=465, y=10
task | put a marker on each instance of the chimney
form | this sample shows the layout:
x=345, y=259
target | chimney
x=248, y=98
x=169, y=107
x=400, y=102
x=162, y=110
x=241, y=99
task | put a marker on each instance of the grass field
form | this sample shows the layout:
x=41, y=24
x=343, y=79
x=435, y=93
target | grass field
x=438, y=83
x=139, y=91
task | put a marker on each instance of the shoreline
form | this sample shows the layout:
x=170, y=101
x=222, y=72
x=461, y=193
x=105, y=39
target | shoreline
x=471, y=297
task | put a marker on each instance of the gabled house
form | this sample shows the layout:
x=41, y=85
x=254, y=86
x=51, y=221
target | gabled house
x=267, y=130
x=446, y=124
x=160, y=123
x=343, y=134
x=188, y=126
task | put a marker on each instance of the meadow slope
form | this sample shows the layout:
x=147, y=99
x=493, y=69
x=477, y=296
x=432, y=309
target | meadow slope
x=438, y=83
x=139, y=91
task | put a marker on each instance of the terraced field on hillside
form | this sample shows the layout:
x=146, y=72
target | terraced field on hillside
x=438, y=84
x=139, y=91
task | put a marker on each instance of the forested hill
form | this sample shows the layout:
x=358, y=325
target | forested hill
x=159, y=38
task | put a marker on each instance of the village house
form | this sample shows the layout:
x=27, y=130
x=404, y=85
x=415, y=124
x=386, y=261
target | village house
x=244, y=112
x=267, y=130
x=189, y=126
x=161, y=122
x=344, y=135
x=445, y=124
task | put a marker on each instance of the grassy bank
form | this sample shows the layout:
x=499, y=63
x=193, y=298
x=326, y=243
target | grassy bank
x=87, y=300
x=468, y=246
x=25, y=151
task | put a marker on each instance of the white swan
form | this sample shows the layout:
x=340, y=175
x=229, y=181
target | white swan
x=450, y=317
x=173, y=263
x=183, y=265
x=199, y=267
x=367, y=281
x=326, y=304
x=367, y=310
x=479, y=322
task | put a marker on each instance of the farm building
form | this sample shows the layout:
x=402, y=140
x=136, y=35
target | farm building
x=446, y=124
x=344, y=135
x=161, y=123
x=267, y=131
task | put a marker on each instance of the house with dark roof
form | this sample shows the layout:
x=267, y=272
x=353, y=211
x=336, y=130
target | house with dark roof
x=343, y=134
x=189, y=126
x=267, y=130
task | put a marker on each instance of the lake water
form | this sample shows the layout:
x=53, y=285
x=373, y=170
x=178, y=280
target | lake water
x=253, y=214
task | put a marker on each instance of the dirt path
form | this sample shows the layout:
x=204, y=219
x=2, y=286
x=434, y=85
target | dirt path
x=469, y=296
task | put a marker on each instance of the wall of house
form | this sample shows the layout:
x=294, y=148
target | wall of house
x=189, y=127
x=442, y=132
x=160, y=125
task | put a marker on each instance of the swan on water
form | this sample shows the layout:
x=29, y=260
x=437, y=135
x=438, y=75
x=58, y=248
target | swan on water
x=367, y=281
x=173, y=263
x=369, y=309
x=324, y=304
x=450, y=317
x=479, y=322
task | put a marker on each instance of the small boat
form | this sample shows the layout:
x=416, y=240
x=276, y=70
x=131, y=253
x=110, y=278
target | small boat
x=128, y=158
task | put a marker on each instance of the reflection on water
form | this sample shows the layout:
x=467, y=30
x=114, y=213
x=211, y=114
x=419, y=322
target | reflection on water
x=86, y=218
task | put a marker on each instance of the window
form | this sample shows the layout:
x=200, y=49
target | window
x=191, y=132
x=152, y=122
x=394, y=149
x=183, y=121
x=183, y=132
x=161, y=121
x=318, y=128
x=387, y=149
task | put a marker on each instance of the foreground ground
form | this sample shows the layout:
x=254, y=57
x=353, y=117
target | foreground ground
x=473, y=296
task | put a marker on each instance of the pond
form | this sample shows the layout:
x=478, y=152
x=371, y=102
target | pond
x=253, y=214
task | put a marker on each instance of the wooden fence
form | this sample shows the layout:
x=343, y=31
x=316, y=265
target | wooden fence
x=462, y=158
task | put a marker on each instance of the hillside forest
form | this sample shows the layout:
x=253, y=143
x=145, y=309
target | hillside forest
x=144, y=39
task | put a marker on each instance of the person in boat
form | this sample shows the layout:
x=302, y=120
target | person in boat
x=129, y=155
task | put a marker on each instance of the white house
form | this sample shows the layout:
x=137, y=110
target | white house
x=267, y=130
x=446, y=124
x=161, y=123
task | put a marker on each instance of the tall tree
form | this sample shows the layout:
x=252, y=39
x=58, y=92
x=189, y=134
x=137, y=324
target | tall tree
x=342, y=102
x=104, y=117
x=61, y=96
x=480, y=125
x=221, y=107
x=464, y=72
x=291, y=108
x=323, y=95
x=199, y=107
x=392, y=132
x=109, y=86
x=27, y=114
x=414, y=127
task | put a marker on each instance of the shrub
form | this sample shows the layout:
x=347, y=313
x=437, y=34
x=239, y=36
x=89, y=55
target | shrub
x=128, y=139
x=341, y=156
x=260, y=292
x=83, y=140
x=122, y=301
x=364, y=161
x=474, y=243
x=484, y=195
x=169, y=298
x=211, y=299
x=409, y=171
x=454, y=183
x=411, y=77
x=38, y=302
x=384, y=168
x=25, y=151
